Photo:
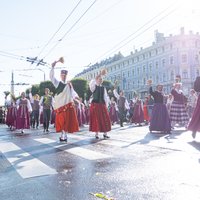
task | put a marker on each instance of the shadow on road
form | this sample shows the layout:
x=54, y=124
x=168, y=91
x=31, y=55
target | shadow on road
x=147, y=139
x=195, y=144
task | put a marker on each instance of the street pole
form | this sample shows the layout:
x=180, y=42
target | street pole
x=12, y=84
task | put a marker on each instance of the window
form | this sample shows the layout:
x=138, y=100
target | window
x=144, y=81
x=171, y=46
x=150, y=67
x=163, y=62
x=133, y=72
x=183, y=44
x=156, y=51
x=144, y=69
x=172, y=76
x=150, y=54
x=157, y=79
x=196, y=43
x=164, y=77
x=156, y=65
x=138, y=71
x=197, y=72
x=184, y=58
x=128, y=73
x=185, y=74
x=171, y=61
x=163, y=49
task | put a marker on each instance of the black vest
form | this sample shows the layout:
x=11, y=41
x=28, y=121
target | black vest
x=60, y=88
x=98, y=95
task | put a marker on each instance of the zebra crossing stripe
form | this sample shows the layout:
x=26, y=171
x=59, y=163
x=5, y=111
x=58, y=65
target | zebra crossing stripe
x=78, y=151
x=26, y=165
x=114, y=143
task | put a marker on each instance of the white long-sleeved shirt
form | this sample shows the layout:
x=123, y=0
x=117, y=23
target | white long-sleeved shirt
x=117, y=96
x=66, y=96
x=28, y=104
x=92, y=86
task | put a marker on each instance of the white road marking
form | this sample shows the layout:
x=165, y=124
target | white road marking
x=78, y=151
x=26, y=165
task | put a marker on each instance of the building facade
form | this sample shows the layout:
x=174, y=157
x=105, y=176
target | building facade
x=162, y=62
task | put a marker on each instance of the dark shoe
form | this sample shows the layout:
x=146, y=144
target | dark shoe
x=47, y=131
x=96, y=136
x=63, y=140
x=105, y=136
x=194, y=134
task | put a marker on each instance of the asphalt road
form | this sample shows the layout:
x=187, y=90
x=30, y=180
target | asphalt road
x=132, y=164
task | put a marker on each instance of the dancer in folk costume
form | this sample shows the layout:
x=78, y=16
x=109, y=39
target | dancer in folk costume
x=11, y=119
x=170, y=99
x=138, y=114
x=145, y=110
x=192, y=101
x=160, y=120
x=123, y=105
x=99, y=116
x=83, y=111
x=8, y=110
x=194, y=124
x=78, y=111
x=178, y=113
x=150, y=105
x=23, y=113
x=87, y=111
x=131, y=109
x=66, y=119
x=46, y=102
x=35, y=102
x=113, y=111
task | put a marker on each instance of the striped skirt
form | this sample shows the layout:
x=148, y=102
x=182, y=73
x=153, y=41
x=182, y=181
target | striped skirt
x=178, y=113
x=194, y=124
x=160, y=120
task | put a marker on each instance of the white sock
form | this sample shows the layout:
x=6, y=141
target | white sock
x=63, y=135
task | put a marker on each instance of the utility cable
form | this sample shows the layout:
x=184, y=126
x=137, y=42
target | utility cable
x=70, y=29
x=60, y=27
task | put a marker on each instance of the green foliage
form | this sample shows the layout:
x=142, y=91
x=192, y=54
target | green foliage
x=80, y=86
x=108, y=85
x=46, y=84
x=35, y=89
x=6, y=93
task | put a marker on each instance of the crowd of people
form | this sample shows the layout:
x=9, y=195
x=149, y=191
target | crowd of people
x=68, y=112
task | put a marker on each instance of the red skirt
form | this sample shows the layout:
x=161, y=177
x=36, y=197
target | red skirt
x=99, y=118
x=66, y=119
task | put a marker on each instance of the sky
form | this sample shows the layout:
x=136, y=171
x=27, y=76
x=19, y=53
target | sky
x=45, y=29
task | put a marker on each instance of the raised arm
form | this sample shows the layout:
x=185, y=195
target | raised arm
x=92, y=85
x=116, y=93
x=52, y=77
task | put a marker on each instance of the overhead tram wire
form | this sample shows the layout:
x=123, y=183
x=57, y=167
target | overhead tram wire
x=105, y=11
x=60, y=27
x=10, y=55
x=70, y=29
x=114, y=49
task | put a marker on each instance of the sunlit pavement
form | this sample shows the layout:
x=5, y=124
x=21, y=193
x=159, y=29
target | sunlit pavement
x=132, y=164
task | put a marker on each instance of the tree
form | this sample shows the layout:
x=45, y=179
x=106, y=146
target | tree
x=80, y=86
x=46, y=84
x=35, y=89
x=108, y=85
